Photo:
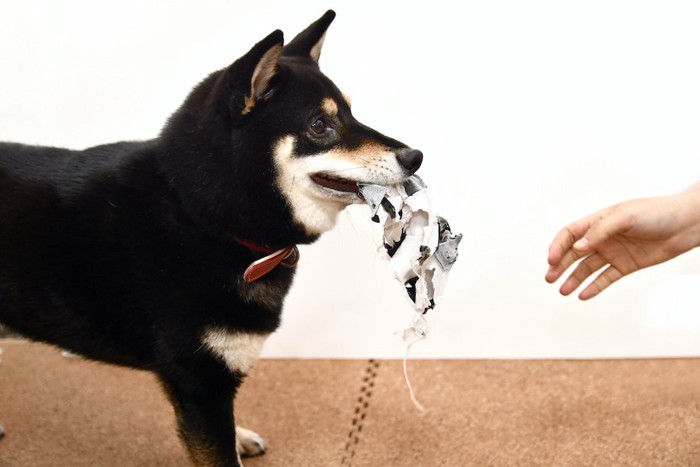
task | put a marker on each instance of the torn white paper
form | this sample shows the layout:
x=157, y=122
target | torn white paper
x=419, y=244
x=420, y=247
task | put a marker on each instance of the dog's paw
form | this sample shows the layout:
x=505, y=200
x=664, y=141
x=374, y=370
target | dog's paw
x=249, y=443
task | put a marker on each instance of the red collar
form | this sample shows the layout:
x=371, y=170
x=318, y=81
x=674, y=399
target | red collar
x=256, y=247
x=288, y=257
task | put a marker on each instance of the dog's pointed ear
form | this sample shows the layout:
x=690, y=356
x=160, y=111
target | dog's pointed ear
x=251, y=74
x=310, y=41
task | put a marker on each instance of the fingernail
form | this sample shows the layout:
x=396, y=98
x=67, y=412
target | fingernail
x=582, y=244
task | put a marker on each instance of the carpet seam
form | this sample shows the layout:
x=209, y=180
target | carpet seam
x=360, y=412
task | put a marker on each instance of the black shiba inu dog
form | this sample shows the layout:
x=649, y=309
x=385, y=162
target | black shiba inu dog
x=140, y=253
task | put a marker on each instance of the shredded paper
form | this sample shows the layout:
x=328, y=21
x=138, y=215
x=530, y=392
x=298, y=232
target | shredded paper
x=419, y=246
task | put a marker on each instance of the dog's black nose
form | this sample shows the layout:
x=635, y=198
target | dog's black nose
x=411, y=160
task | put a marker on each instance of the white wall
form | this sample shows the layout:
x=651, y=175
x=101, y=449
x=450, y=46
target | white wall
x=530, y=114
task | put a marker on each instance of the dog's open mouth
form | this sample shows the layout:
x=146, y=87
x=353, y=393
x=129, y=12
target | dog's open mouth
x=335, y=183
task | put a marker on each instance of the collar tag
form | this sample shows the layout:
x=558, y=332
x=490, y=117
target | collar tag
x=287, y=257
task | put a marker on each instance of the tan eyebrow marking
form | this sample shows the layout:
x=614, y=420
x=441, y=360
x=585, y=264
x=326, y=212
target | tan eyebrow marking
x=329, y=106
x=347, y=100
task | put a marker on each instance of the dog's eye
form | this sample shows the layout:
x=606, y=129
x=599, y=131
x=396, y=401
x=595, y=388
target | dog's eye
x=319, y=127
x=321, y=130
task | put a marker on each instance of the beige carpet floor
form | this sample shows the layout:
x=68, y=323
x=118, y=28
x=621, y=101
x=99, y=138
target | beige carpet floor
x=71, y=412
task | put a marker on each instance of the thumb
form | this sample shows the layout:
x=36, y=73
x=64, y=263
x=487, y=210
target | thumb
x=583, y=244
x=609, y=223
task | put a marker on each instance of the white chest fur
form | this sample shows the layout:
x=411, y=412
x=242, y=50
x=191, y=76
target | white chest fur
x=239, y=350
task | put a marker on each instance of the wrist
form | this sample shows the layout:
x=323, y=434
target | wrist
x=690, y=202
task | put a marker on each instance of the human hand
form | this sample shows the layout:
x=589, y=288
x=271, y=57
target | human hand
x=624, y=238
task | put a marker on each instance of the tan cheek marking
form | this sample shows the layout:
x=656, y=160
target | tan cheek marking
x=370, y=152
x=329, y=106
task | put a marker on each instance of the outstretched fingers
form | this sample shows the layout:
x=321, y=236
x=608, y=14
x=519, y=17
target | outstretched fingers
x=555, y=271
x=563, y=242
x=562, y=253
x=583, y=271
x=609, y=276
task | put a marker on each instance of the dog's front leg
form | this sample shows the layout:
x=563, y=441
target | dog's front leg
x=204, y=411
